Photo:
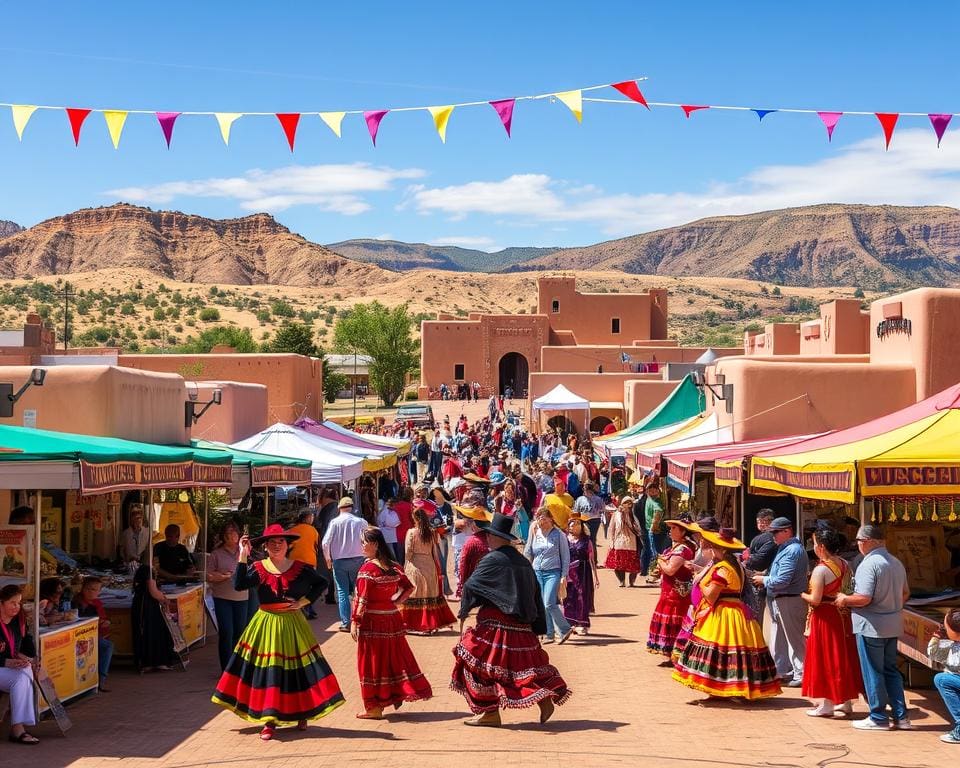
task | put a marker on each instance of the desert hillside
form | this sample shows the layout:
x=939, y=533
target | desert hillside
x=8, y=228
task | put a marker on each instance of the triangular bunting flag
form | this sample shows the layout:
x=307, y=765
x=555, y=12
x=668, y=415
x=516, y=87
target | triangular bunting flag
x=762, y=113
x=688, y=109
x=504, y=108
x=830, y=120
x=441, y=116
x=115, y=120
x=631, y=90
x=373, y=122
x=226, y=120
x=574, y=100
x=76, y=118
x=333, y=120
x=167, y=119
x=940, y=123
x=21, y=116
x=889, y=121
x=289, y=122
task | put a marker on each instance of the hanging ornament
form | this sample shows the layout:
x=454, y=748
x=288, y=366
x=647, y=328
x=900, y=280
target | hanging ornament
x=935, y=517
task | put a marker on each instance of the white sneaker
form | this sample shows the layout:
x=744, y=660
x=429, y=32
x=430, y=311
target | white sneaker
x=824, y=710
x=846, y=708
x=869, y=724
x=903, y=725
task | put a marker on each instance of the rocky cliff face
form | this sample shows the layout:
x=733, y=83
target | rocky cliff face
x=867, y=246
x=251, y=250
x=8, y=228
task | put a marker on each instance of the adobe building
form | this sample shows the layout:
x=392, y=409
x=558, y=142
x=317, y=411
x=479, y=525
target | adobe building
x=844, y=368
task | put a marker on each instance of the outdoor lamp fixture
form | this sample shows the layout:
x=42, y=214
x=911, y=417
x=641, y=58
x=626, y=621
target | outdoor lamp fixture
x=8, y=397
x=725, y=392
x=192, y=416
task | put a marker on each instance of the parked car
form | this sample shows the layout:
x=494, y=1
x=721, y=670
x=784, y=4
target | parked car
x=420, y=415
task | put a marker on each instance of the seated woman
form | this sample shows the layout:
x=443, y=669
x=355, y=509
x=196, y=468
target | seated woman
x=152, y=644
x=16, y=664
x=51, y=594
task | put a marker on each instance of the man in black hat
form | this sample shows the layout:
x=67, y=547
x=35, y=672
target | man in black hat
x=494, y=659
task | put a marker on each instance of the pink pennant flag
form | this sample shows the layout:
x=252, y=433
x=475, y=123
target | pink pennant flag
x=889, y=121
x=940, y=123
x=690, y=108
x=830, y=119
x=504, y=108
x=167, y=119
x=631, y=90
x=289, y=122
x=373, y=122
x=76, y=118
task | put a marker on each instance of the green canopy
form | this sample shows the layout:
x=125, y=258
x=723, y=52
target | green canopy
x=109, y=463
x=264, y=469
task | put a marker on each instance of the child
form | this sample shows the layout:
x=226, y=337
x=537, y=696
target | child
x=88, y=604
x=947, y=653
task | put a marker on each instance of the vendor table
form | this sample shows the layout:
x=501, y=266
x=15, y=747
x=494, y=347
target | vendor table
x=69, y=653
x=919, y=624
x=189, y=615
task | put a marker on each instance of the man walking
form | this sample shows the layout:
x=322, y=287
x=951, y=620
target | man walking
x=590, y=508
x=880, y=590
x=343, y=553
x=786, y=581
x=758, y=557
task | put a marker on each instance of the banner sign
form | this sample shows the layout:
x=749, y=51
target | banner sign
x=730, y=475
x=681, y=474
x=279, y=475
x=131, y=475
x=936, y=480
x=829, y=484
x=69, y=656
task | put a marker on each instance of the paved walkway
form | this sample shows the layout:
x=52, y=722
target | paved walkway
x=625, y=712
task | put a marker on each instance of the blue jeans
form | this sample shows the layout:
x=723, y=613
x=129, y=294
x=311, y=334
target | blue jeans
x=231, y=621
x=655, y=544
x=881, y=678
x=345, y=577
x=549, y=583
x=105, y=654
x=948, y=684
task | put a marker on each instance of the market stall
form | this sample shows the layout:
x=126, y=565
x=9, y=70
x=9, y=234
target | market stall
x=562, y=401
x=328, y=464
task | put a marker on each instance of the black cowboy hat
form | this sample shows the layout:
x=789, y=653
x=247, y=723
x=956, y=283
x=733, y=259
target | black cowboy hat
x=500, y=526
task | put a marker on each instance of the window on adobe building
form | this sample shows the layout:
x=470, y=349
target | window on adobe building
x=555, y=306
x=458, y=371
x=615, y=325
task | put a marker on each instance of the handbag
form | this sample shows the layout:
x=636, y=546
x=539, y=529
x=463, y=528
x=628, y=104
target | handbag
x=750, y=595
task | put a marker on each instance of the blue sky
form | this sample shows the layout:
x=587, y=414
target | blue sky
x=624, y=170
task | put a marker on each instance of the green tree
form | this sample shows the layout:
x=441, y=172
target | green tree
x=386, y=336
x=858, y=294
x=209, y=314
x=333, y=382
x=220, y=335
x=293, y=337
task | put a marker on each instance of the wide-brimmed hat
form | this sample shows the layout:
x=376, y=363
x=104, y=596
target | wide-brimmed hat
x=687, y=525
x=275, y=531
x=345, y=502
x=722, y=538
x=708, y=523
x=497, y=478
x=474, y=478
x=475, y=513
x=499, y=525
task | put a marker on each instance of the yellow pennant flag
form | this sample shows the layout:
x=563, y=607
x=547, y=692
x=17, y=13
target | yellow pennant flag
x=333, y=120
x=574, y=100
x=226, y=120
x=21, y=116
x=441, y=116
x=115, y=120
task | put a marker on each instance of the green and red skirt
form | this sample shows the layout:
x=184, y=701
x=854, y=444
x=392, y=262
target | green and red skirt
x=277, y=673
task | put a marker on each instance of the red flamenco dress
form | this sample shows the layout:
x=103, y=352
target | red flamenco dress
x=668, y=616
x=499, y=663
x=277, y=673
x=832, y=667
x=389, y=673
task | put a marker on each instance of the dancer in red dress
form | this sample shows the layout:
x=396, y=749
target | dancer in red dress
x=389, y=673
x=676, y=576
x=499, y=662
x=832, y=668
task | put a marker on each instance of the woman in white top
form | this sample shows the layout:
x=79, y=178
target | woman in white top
x=387, y=521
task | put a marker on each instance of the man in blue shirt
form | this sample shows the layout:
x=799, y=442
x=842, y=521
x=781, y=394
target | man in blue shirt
x=785, y=582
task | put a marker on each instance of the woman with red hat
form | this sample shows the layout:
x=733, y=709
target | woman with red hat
x=277, y=675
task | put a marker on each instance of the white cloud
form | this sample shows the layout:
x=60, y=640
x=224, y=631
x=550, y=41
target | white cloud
x=912, y=172
x=480, y=243
x=334, y=188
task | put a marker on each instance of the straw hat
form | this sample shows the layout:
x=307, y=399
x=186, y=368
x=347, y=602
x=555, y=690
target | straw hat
x=475, y=513
x=723, y=538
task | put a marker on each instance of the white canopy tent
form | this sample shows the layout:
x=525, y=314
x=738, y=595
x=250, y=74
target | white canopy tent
x=329, y=465
x=561, y=399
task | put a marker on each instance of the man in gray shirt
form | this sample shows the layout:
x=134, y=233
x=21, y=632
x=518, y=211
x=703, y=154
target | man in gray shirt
x=880, y=590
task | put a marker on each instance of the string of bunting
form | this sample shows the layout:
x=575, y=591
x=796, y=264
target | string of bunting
x=115, y=119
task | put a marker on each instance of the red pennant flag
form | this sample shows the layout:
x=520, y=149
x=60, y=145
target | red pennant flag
x=289, y=122
x=167, y=119
x=373, y=122
x=940, y=123
x=76, y=118
x=830, y=120
x=504, y=109
x=688, y=108
x=889, y=121
x=631, y=90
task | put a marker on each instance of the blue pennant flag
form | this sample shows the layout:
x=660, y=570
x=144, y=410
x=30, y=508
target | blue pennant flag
x=762, y=113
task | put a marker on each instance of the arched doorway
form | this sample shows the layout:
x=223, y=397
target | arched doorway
x=598, y=423
x=562, y=424
x=514, y=373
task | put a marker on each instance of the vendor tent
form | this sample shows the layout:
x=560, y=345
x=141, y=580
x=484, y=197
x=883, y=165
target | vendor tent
x=561, y=399
x=375, y=456
x=328, y=464
x=706, y=433
x=260, y=469
x=911, y=452
x=402, y=445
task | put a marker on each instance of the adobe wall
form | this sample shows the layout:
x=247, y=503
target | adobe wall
x=641, y=396
x=775, y=339
x=821, y=397
x=841, y=329
x=930, y=341
x=103, y=400
x=294, y=382
x=243, y=410
x=587, y=358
